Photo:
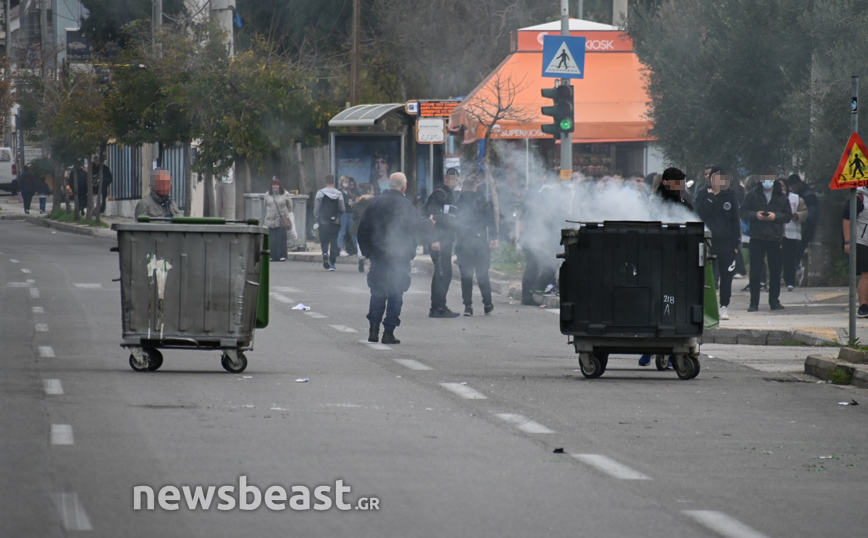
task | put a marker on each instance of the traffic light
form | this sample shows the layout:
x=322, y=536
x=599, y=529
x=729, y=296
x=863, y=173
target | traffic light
x=561, y=112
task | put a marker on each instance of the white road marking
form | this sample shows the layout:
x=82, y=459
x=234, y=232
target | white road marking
x=723, y=525
x=46, y=351
x=61, y=434
x=38, y=310
x=71, y=512
x=464, y=391
x=42, y=327
x=53, y=387
x=285, y=289
x=375, y=345
x=343, y=329
x=18, y=284
x=25, y=271
x=13, y=260
x=553, y=310
x=413, y=365
x=86, y=286
x=279, y=297
x=30, y=281
x=610, y=467
x=523, y=423
x=34, y=293
x=315, y=315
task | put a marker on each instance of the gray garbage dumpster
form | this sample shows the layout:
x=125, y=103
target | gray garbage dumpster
x=299, y=209
x=254, y=206
x=193, y=286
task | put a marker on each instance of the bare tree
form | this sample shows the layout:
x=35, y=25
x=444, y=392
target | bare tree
x=493, y=103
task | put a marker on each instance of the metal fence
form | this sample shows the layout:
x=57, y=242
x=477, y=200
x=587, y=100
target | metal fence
x=125, y=163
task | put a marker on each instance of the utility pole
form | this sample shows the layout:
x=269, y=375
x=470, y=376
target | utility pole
x=357, y=54
x=581, y=12
x=231, y=193
x=854, y=127
x=157, y=20
x=566, y=138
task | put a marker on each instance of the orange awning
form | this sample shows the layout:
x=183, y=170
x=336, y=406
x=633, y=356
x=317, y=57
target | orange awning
x=611, y=101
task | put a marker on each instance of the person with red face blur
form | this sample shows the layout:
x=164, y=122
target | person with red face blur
x=158, y=202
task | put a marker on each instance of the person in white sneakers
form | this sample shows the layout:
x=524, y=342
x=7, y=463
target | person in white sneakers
x=718, y=209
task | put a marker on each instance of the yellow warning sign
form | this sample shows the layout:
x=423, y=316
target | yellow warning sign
x=852, y=171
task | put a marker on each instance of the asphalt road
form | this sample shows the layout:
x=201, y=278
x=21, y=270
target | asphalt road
x=477, y=426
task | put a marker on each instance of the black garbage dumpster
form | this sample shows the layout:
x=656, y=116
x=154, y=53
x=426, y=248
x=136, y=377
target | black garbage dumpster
x=634, y=287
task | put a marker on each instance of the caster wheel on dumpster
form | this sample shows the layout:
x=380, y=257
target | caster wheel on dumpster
x=155, y=358
x=227, y=364
x=595, y=369
x=695, y=367
x=134, y=364
x=661, y=361
x=687, y=372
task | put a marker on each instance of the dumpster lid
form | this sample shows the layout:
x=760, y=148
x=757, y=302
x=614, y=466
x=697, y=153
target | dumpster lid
x=189, y=228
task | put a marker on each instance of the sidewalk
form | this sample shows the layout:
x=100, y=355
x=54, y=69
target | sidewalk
x=813, y=316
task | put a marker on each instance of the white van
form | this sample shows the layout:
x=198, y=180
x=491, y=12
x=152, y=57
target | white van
x=8, y=171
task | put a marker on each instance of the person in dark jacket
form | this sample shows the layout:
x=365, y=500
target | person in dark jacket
x=767, y=209
x=441, y=207
x=389, y=231
x=362, y=202
x=27, y=187
x=78, y=181
x=809, y=226
x=718, y=209
x=476, y=237
x=101, y=186
x=673, y=188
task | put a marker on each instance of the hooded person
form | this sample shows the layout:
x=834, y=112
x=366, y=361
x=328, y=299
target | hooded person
x=718, y=208
x=158, y=203
x=327, y=210
x=673, y=188
x=767, y=209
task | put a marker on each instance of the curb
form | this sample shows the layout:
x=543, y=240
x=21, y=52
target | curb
x=773, y=337
x=822, y=366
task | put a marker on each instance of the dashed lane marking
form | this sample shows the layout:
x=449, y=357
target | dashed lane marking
x=281, y=298
x=723, y=525
x=34, y=293
x=18, y=284
x=71, y=512
x=87, y=286
x=315, y=315
x=38, y=310
x=413, y=365
x=46, y=351
x=523, y=423
x=464, y=391
x=61, y=434
x=41, y=327
x=375, y=345
x=53, y=387
x=13, y=260
x=285, y=289
x=25, y=271
x=610, y=467
x=343, y=329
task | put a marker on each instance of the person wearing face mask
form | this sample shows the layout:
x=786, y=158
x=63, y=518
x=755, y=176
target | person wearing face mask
x=158, y=203
x=767, y=209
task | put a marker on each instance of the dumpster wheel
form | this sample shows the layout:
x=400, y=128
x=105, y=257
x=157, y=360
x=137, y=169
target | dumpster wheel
x=155, y=358
x=686, y=367
x=661, y=361
x=237, y=366
x=134, y=364
x=595, y=366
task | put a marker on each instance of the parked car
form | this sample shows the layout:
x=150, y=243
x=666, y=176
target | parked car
x=8, y=171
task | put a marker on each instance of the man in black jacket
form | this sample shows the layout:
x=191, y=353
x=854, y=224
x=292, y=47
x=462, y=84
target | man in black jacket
x=718, y=209
x=388, y=234
x=767, y=209
x=476, y=238
x=441, y=207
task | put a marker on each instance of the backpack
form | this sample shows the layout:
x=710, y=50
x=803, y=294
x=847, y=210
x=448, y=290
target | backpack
x=329, y=210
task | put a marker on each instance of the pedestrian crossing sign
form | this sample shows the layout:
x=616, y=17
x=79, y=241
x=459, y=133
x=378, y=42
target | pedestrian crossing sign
x=852, y=171
x=563, y=56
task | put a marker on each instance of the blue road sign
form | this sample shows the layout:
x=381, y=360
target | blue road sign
x=563, y=57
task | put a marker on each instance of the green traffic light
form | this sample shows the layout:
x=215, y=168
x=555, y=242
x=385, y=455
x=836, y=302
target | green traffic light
x=566, y=124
